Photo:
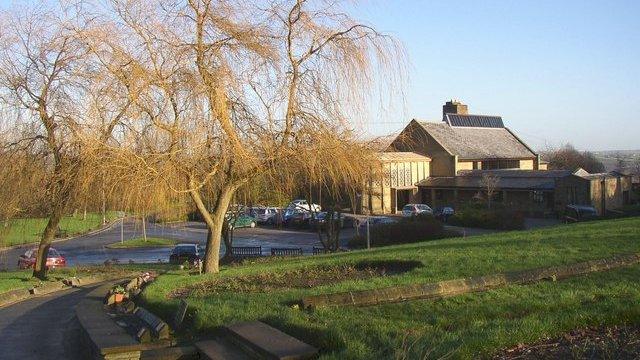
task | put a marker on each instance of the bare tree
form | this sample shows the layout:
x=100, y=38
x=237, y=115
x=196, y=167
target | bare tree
x=568, y=158
x=490, y=184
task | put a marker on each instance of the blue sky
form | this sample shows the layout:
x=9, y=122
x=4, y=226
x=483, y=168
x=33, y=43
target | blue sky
x=557, y=71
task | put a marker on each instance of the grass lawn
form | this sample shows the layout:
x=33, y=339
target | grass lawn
x=21, y=279
x=140, y=242
x=25, y=231
x=473, y=325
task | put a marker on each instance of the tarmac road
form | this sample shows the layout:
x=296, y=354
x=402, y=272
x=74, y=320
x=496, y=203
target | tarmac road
x=91, y=249
x=42, y=327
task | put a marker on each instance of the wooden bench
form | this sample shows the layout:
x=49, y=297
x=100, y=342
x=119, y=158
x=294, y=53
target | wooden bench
x=246, y=251
x=286, y=252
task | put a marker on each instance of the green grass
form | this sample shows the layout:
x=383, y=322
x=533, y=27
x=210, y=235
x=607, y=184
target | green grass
x=21, y=279
x=29, y=230
x=140, y=242
x=467, y=326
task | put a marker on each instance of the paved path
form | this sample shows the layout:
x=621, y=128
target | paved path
x=42, y=328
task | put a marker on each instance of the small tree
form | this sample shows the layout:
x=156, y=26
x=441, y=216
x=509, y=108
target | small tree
x=490, y=184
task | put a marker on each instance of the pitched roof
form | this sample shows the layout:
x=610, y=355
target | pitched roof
x=478, y=142
x=507, y=179
x=402, y=156
x=474, y=182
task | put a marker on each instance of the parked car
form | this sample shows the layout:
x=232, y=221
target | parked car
x=300, y=218
x=443, y=213
x=242, y=221
x=416, y=209
x=185, y=252
x=267, y=215
x=303, y=204
x=577, y=213
x=320, y=219
x=373, y=222
x=54, y=259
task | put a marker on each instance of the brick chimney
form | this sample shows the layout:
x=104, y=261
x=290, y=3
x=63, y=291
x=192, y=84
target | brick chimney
x=454, y=107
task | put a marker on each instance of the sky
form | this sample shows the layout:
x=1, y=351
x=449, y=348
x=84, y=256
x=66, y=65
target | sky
x=563, y=71
x=556, y=71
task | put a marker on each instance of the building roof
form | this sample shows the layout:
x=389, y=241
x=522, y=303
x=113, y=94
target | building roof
x=473, y=182
x=478, y=142
x=402, y=156
x=465, y=120
x=507, y=179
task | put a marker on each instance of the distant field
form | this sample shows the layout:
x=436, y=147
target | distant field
x=25, y=231
x=466, y=326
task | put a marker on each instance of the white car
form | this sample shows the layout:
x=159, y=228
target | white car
x=416, y=209
x=302, y=204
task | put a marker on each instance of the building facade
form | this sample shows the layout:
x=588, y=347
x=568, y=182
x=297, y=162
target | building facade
x=448, y=163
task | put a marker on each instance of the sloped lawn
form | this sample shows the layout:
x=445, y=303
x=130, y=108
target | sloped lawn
x=464, y=326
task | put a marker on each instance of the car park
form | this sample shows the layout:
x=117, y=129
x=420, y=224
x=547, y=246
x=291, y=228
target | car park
x=578, y=213
x=416, y=209
x=54, y=259
x=182, y=253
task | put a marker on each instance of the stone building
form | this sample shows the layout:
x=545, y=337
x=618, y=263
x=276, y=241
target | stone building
x=444, y=163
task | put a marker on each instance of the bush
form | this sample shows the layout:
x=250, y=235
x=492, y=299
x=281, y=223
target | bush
x=409, y=230
x=498, y=219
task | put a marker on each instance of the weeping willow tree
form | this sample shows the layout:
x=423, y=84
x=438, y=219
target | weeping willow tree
x=222, y=93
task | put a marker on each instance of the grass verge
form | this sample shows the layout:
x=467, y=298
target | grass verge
x=21, y=279
x=141, y=243
x=466, y=326
x=26, y=231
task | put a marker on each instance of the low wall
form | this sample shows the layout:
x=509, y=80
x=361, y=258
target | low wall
x=448, y=288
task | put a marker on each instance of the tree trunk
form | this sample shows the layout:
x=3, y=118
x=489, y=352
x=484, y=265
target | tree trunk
x=84, y=214
x=40, y=267
x=104, y=206
x=144, y=229
x=215, y=223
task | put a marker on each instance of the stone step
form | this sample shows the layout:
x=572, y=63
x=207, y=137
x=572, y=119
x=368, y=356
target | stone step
x=221, y=349
x=172, y=353
x=269, y=342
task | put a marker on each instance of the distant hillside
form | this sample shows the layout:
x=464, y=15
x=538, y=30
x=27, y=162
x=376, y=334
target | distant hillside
x=630, y=158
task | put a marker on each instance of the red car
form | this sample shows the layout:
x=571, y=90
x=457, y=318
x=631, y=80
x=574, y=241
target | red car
x=54, y=260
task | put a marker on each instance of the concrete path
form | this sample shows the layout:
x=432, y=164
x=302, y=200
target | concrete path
x=42, y=328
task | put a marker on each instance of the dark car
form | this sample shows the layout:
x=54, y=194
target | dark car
x=54, y=259
x=443, y=213
x=320, y=219
x=577, y=213
x=185, y=252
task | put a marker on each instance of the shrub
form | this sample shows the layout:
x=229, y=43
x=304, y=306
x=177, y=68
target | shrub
x=409, y=230
x=498, y=219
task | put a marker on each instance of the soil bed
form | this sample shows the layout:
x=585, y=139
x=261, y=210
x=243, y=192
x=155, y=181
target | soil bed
x=300, y=278
x=618, y=342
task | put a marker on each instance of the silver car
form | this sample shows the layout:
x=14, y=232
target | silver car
x=416, y=209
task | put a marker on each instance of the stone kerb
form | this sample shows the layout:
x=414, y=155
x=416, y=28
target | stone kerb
x=465, y=285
